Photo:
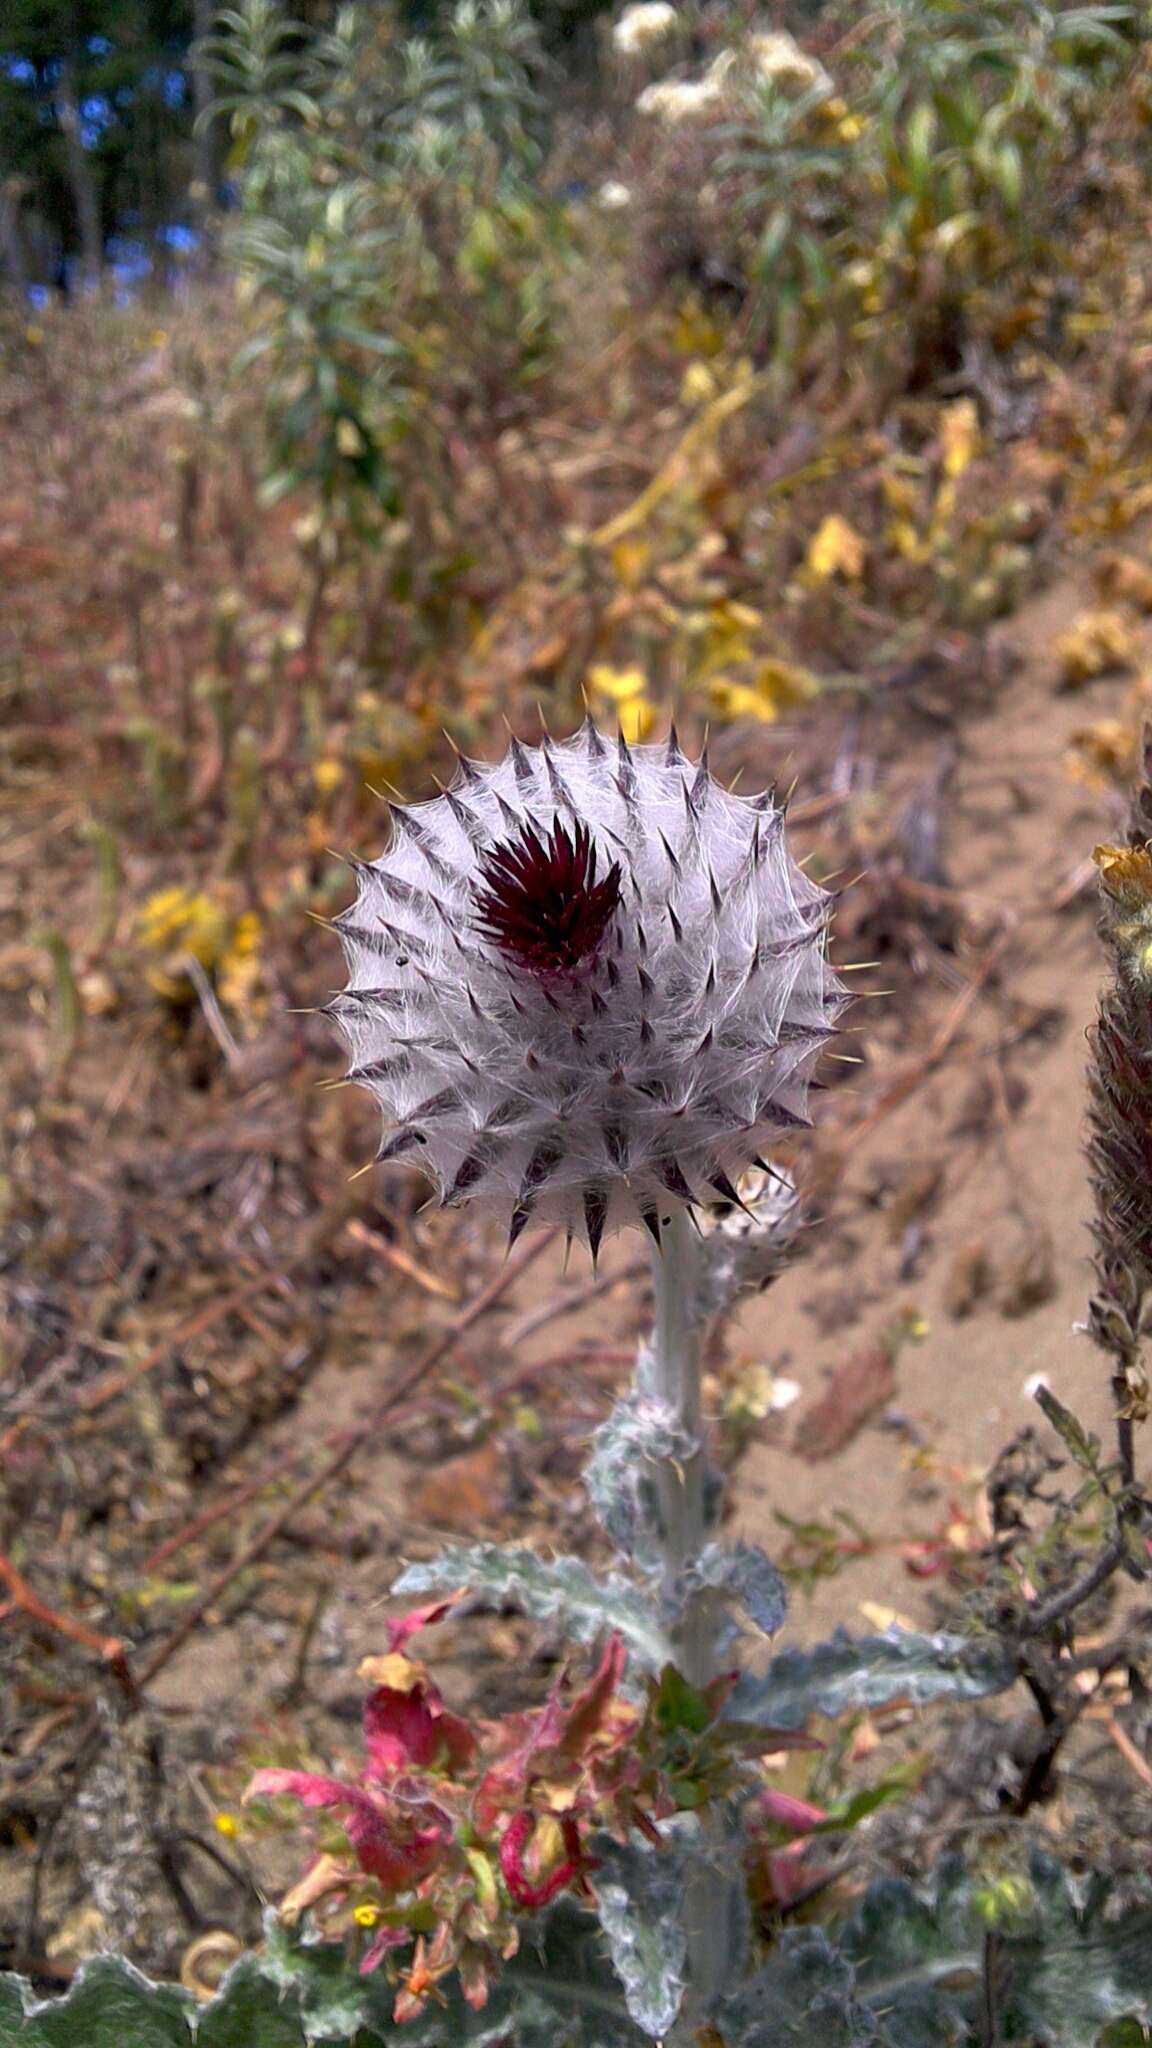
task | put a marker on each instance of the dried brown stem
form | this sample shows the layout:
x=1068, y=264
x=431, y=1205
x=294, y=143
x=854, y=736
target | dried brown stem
x=110, y=1649
x=1046, y=1613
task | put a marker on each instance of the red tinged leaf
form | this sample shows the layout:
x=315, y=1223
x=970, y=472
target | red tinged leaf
x=789, y=1877
x=395, y=1844
x=594, y=1711
x=403, y=1626
x=414, y=1731
x=514, y=1847
x=865, y=1383
x=306, y=1786
x=797, y=1814
x=384, y=1939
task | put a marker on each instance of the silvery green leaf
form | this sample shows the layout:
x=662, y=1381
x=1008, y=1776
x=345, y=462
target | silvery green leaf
x=562, y=1967
x=1069, y=1958
x=107, y=2005
x=746, y=1574
x=560, y=1589
x=337, y=2005
x=1086, y=1961
x=12, y=2005
x=853, y=1672
x=640, y=1900
x=332, y=1999
x=250, y=2011
x=803, y=1998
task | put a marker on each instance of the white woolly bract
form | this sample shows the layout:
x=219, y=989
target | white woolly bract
x=653, y=1074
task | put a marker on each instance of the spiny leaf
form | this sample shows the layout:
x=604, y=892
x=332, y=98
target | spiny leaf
x=803, y=1998
x=849, y=1672
x=334, y=2002
x=640, y=1897
x=561, y=1970
x=559, y=1589
x=747, y=1575
x=250, y=2012
x=107, y=2005
x=1082, y=1445
x=640, y=1433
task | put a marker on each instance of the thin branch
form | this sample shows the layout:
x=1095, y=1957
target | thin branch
x=213, y=1014
x=568, y=1304
x=1047, y=1612
x=111, y=1650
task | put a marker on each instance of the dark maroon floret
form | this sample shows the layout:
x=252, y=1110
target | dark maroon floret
x=540, y=902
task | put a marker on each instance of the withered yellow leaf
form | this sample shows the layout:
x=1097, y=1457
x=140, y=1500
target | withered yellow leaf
x=836, y=549
x=397, y=1672
x=959, y=436
x=636, y=719
x=775, y=685
x=737, y=700
x=1125, y=873
x=1098, y=641
x=1126, y=578
x=630, y=558
x=698, y=384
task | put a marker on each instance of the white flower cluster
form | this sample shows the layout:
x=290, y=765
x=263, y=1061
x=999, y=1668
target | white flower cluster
x=586, y=984
x=674, y=99
x=776, y=59
x=770, y=58
x=644, y=26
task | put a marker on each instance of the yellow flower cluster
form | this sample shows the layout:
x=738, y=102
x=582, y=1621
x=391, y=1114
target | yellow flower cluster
x=179, y=924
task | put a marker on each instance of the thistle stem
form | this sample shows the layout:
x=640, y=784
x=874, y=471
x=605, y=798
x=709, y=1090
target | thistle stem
x=682, y=1494
x=681, y=1483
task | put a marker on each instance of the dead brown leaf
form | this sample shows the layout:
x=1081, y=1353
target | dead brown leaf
x=856, y=1390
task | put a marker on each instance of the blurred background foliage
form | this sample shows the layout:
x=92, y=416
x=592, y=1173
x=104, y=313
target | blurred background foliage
x=506, y=357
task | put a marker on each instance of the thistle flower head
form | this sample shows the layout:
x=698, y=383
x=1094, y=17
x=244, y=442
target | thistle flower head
x=586, y=983
x=778, y=60
x=641, y=26
x=673, y=100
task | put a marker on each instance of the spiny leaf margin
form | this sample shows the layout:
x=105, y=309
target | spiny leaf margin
x=560, y=1589
x=849, y=1673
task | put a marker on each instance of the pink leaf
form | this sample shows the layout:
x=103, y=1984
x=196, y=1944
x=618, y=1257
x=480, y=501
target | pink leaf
x=403, y=1730
x=384, y=1939
x=305, y=1786
x=406, y=1625
x=513, y=1846
x=797, y=1814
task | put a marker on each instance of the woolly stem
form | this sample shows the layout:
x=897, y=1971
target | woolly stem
x=680, y=1483
x=682, y=1495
